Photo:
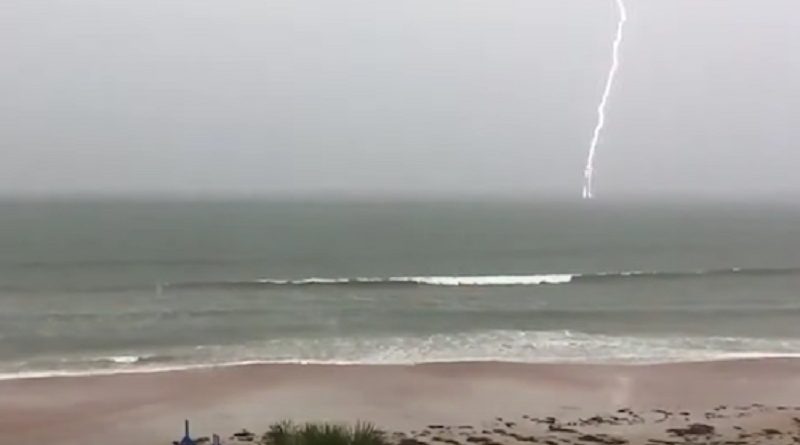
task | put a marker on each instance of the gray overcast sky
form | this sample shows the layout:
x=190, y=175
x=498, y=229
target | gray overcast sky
x=396, y=96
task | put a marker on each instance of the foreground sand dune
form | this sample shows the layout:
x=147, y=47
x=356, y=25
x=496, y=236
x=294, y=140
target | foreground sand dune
x=745, y=401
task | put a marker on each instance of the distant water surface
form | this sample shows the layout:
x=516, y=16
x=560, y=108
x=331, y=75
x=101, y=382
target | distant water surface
x=93, y=286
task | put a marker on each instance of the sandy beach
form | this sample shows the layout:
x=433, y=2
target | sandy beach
x=462, y=403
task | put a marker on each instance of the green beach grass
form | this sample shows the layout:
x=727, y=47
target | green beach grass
x=290, y=433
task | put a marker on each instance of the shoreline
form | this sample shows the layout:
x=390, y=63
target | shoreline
x=75, y=374
x=139, y=408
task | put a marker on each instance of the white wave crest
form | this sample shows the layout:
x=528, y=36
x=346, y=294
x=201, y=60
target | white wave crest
x=313, y=280
x=496, y=280
x=122, y=359
x=444, y=280
x=488, y=280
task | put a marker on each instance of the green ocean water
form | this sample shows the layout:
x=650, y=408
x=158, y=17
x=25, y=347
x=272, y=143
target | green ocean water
x=105, y=286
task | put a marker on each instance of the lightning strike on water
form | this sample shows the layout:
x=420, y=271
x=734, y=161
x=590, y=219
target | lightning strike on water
x=588, y=192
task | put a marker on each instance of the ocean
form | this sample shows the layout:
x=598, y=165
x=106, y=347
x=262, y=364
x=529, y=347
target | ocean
x=93, y=286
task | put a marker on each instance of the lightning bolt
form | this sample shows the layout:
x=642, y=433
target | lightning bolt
x=588, y=192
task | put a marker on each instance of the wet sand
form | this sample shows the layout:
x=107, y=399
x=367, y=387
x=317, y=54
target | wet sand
x=743, y=402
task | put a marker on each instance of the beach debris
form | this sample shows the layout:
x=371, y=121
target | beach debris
x=446, y=440
x=609, y=420
x=244, y=436
x=600, y=429
x=695, y=429
x=561, y=429
x=546, y=420
x=710, y=416
x=482, y=440
x=409, y=441
x=664, y=415
x=602, y=439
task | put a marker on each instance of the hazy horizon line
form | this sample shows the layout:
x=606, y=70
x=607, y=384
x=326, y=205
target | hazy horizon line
x=791, y=197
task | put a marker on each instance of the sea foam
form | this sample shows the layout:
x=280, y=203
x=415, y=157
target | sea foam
x=484, y=346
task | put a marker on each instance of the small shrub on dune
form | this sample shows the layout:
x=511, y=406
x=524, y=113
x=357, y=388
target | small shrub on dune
x=367, y=434
x=289, y=433
x=281, y=433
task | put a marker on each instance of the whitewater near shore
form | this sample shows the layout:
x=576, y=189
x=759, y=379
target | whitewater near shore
x=488, y=402
x=623, y=317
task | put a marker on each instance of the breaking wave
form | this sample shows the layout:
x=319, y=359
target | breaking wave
x=492, y=280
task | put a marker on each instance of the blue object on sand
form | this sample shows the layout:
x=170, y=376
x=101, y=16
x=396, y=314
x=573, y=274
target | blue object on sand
x=186, y=439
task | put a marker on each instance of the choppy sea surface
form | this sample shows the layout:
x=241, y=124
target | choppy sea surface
x=134, y=286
